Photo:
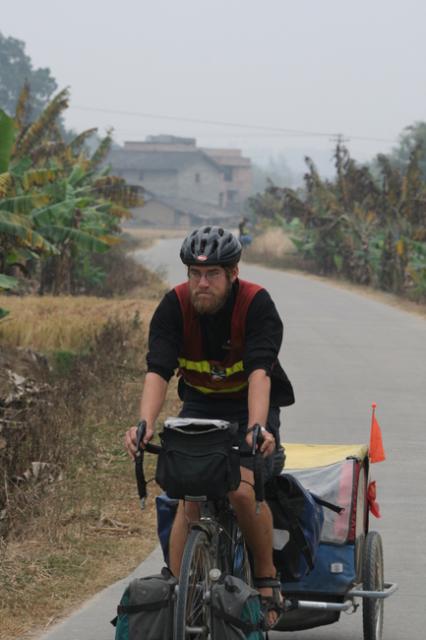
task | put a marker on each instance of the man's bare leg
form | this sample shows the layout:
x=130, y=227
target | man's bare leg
x=257, y=529
x=187, y=512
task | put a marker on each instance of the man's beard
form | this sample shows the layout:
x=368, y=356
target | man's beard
x=208, y=305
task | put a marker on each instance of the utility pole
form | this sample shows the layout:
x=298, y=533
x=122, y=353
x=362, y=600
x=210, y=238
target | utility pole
x=339, y=139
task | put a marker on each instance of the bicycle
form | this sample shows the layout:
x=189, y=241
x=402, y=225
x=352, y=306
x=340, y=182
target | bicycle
x=214, y=547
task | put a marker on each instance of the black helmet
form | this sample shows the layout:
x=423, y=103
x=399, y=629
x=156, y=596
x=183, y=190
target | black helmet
x=210, y=245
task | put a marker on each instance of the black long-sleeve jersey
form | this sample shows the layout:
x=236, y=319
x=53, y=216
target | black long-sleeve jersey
x=263, y=338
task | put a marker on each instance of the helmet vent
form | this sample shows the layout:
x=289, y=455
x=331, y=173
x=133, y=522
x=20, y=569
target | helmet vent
x=211, y=245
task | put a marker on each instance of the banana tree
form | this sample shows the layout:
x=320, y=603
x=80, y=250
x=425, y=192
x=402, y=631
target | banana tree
x=56, y=204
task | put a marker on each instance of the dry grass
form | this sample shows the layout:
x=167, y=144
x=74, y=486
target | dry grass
x=273, y=248
x=273, y=242
x=52, y=323
x=70, y=536
x=79, y=541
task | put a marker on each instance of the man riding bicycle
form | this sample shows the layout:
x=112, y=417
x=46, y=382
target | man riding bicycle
x=223, y=335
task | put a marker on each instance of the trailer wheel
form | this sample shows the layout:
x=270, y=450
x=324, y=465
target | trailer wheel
x=372, y=577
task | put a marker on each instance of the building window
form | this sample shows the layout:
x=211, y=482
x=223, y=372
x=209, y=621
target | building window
x=231, y=196
x=227, y=174
x=141, y=176
x=220, y=199
x=197, y=178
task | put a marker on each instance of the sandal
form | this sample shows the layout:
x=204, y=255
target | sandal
x=275, y=602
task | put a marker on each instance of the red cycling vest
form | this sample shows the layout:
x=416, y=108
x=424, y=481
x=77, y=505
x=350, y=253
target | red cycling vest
x=225, y=378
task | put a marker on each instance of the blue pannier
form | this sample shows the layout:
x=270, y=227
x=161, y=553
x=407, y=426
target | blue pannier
x=298, y=519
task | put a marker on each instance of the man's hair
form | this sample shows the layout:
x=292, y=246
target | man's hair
x=228, y=269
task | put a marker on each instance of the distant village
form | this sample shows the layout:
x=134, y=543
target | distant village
x=184, y=185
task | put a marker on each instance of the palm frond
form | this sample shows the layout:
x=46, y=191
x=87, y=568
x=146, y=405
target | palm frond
x=85, y=241
x=7, y=137
x=42, y=125
x=24, y=204
x=7, y=282
x=19, y=226
x=5, y=184
x=39, y=178
x=77, y=142
x=118, y=191
x=21, y=111
x=102, y=151
x=48, y=150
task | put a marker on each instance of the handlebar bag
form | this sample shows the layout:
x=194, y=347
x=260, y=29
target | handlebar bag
x=146, y=609
x=199, y=458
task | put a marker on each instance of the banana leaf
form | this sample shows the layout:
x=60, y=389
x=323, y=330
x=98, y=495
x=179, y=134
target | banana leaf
x=7, y=137
x=82, y=240
x=8, y=282
x=18, y=226
x=25, y=203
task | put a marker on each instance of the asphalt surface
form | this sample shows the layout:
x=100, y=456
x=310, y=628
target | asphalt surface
x=342, y=351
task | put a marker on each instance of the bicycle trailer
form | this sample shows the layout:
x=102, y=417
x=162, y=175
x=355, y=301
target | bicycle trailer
x=349, y=562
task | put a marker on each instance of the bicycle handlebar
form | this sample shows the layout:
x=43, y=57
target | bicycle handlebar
x=259, y=489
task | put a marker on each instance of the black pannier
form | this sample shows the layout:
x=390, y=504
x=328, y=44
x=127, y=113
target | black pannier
x=145, y=611
x=199, y=458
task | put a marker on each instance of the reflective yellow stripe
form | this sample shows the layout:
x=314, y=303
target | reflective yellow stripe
x=203, y=366
x=207, y=390
x=238, y=366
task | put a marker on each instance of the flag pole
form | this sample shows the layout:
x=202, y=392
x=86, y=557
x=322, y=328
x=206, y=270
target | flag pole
x=373, y=413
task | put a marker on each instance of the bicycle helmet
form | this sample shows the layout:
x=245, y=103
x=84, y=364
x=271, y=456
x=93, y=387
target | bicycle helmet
x=210, y=245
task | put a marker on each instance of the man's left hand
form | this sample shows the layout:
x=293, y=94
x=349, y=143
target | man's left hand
x=267, y=447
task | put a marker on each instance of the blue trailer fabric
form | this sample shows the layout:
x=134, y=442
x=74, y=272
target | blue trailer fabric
x=322, y=579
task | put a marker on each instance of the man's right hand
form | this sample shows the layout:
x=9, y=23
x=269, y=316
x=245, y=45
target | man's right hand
x=130, y=440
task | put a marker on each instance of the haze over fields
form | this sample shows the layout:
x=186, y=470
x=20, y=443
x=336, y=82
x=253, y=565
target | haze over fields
x=302, y=72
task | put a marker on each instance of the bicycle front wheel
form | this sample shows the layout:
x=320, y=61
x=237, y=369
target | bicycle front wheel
x=192, y=611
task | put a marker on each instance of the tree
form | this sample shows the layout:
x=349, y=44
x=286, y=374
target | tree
x=16, y=69
x=57, y=207
x=412, y=137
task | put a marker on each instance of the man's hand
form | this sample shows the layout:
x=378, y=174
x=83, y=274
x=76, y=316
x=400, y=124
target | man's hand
x=267, y=447
x=130, y=440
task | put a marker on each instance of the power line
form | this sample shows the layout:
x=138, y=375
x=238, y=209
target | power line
x=238, y=125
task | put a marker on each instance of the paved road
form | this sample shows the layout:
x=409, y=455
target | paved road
x=342, y=351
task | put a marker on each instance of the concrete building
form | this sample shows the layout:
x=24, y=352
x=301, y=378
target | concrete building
x=183, y=179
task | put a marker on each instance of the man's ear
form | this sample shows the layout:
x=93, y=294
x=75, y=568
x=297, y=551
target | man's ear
x=235, y=273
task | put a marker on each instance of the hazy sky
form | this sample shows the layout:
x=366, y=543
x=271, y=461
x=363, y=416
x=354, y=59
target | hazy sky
x=354, y=67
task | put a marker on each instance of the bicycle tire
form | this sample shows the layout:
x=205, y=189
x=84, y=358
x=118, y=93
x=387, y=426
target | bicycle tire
x=192, y=610
x=234, y=556
x=373, y=580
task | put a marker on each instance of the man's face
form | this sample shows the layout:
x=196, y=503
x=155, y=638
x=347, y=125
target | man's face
x=209, y=287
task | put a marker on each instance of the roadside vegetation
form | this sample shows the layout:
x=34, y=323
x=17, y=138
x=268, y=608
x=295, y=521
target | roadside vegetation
x=368, y=225
x=59, y=206
x=70, y=517
x=74, y=313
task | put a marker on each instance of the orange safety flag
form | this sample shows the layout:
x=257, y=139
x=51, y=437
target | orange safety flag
x=373, y=505
x=377, y=452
